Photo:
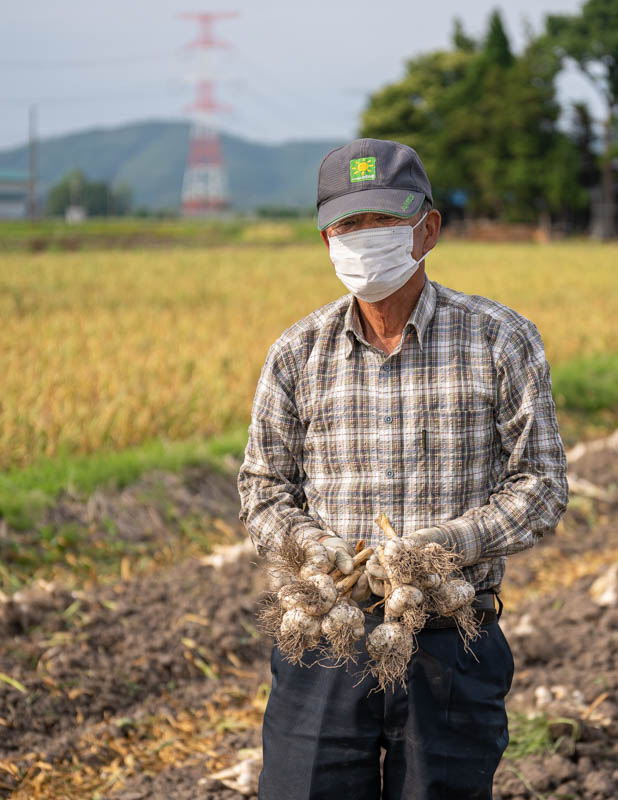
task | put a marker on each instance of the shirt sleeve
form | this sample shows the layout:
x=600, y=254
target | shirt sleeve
x=531, y=493
x=270, y=481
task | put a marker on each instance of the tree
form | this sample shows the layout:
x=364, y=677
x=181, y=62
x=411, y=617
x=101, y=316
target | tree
x=497, y=46
x=584, y=139
x=484, y=121
x=415, y=111
x=460, y=38
x=591, y=40
x=97, y=197
x=121, y=197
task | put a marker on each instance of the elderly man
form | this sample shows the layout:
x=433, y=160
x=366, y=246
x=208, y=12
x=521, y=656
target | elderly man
x=432, y=406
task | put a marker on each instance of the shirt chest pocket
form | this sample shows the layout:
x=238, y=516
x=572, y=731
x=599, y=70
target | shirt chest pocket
x=459, y=439
x=459, y=416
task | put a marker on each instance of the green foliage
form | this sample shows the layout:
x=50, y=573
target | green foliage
x=591, y=39
x=584, y=139
x=97, y=197
x=461, y=41
x=497, y=46
x=41, y=548
x=156, y=213
x=485, y=121
x=418, y=110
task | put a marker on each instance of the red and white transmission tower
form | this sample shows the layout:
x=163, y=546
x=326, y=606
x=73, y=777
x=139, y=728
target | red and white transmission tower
x=204, y=186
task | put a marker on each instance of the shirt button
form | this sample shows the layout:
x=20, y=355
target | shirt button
x=389, y=473
x=386, y=367
x=388, y=419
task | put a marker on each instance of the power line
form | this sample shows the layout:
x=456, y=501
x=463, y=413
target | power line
x=85, y=62
x=80, y=98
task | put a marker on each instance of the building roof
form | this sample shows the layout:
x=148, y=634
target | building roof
x=14, y=175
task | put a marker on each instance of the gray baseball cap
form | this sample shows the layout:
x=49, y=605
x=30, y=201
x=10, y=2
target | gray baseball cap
x=371, y=175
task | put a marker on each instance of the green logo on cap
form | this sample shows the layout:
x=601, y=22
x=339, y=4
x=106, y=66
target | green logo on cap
x=406, y=203
x=363, y=169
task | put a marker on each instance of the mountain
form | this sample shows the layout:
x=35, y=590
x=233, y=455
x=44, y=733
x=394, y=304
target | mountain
x=150, y=157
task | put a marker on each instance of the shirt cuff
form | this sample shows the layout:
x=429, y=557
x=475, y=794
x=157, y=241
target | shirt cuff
x=311, y=534
x=463, y=537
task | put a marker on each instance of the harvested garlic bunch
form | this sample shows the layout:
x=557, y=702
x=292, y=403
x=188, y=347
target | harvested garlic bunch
x=420, y=581
x=319, y=594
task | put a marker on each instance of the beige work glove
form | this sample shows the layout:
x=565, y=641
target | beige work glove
x=426, y=535
x=340, y=553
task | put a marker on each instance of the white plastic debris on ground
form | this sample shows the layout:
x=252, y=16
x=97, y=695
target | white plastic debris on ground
x=243, y=776
x=604, y=591
x=228, y=554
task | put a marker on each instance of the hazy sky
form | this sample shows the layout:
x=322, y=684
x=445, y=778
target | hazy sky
x=294, y=70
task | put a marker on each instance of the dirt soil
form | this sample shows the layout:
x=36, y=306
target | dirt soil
x=140, y=687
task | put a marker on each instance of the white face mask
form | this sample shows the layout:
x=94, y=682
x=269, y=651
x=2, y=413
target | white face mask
x=375, y=262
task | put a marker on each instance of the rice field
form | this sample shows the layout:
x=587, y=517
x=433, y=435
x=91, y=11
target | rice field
x=105, y=349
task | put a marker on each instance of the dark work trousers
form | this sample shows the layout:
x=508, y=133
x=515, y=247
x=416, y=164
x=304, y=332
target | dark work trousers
x=443, y=738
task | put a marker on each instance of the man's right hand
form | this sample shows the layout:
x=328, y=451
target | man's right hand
x=339, y=551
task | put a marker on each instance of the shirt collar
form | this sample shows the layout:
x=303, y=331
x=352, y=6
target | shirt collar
x=419, y=319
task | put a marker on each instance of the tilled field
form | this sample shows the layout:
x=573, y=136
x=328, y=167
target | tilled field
x=141, y=687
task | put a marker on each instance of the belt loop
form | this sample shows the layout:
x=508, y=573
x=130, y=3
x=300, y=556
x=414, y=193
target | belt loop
x=500, y=603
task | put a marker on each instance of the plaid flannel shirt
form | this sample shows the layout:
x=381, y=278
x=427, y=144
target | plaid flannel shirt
x=455, y=429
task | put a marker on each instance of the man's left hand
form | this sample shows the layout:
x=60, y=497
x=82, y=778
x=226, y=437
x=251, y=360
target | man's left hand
x=374, y=568
x=426, y=535
x=361, y=590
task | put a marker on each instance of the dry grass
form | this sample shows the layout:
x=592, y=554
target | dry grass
x=102, y=762
x=103, y=350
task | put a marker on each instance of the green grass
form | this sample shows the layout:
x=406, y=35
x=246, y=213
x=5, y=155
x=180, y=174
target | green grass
x=25, y=492
x=586, y=394
x=40, y=551
x=80, y=553
x=588, y=384
x=531, y=736
x=57, y=235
